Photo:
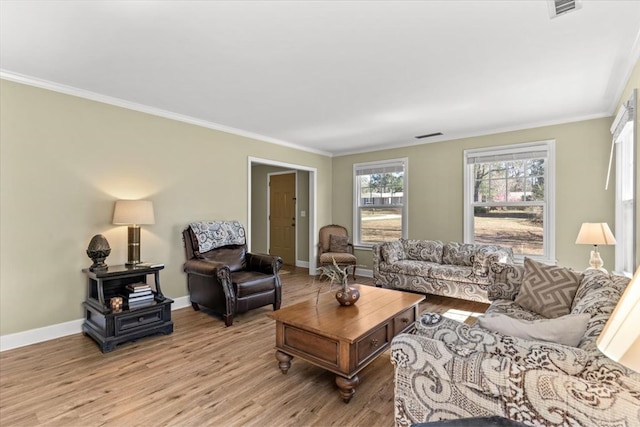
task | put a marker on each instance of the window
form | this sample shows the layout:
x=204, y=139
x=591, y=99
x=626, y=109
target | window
x=380, y=191
x=509, y=198
x=623, y=137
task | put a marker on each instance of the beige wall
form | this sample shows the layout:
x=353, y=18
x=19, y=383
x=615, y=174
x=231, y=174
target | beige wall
x=435, y=194
x=259, y=209
x=65, y=160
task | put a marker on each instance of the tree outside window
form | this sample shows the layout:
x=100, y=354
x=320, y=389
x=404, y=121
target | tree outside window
x=508, y=200
x=380, y=191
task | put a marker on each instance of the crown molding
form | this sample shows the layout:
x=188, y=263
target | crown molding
x=105, y=99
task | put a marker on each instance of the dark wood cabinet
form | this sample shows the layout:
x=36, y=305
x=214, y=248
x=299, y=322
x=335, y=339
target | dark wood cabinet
x=112, y=327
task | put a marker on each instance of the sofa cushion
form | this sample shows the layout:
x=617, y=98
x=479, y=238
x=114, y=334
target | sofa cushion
x=338, y=257
x=423, y=250
x=456, y=253
x=547, y=289
x=338, y=243
x=567, y=330
x=411, y=267
x=456, y=273
x=392, y=251
x=487, y=254
x=598, y=294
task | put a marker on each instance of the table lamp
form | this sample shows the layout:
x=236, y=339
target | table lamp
x=133, y=213
x=620, y=338
x=595, y=233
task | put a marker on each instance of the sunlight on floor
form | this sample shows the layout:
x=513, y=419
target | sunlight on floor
x=459, y=315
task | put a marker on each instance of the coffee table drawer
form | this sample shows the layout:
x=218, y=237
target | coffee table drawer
x=372, y=343
x=403, y=320
x=321, y=349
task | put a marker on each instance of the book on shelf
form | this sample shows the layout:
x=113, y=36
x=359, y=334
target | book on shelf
x=148, y=297
x=139, y=293
x=145, y=303
x=137, y=287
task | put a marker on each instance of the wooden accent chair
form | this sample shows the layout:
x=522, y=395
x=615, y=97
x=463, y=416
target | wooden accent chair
x=333, y=243
x=223, y=276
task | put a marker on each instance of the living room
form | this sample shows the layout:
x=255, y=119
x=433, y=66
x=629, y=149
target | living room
x=68, y=155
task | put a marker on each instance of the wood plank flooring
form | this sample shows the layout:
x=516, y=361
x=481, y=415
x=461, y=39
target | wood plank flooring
x=202, y=374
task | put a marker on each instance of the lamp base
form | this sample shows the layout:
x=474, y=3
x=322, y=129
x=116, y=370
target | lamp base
x=596, y=263
x=133, y=247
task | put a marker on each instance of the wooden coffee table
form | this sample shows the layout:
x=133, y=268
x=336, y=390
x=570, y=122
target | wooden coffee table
x=340, y=339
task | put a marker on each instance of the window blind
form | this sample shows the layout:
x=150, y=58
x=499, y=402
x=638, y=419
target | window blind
x=383, y=168
x=504, y=157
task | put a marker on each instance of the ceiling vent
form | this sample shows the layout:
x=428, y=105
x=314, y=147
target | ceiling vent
x=429, y=135
x=560, y=7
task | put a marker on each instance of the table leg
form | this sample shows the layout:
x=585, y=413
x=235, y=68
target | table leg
x=285, y=361
x=347, y=386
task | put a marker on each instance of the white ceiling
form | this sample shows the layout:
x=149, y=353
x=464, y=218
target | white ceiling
x=333, y=77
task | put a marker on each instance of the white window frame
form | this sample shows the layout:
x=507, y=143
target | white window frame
x=624, y=136
x=357, y=167
x=516, y=152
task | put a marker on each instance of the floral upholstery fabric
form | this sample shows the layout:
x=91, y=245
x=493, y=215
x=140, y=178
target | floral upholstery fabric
x=215, y=234
x=447, y=369
x=423, y=250
x=405, y=265
x=456, y=273
x=393, y=251
x=458, y=253
x=487, y=254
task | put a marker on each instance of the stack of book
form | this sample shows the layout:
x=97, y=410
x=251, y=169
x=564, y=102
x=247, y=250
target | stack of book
x=139, y=295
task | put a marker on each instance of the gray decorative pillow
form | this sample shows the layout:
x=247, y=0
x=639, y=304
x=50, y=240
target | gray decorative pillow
x=456, y=253
x=547, y=289
x=567, y=330
x=338, y=243
x=423, y=250
x=486, y=254
x=392, y=251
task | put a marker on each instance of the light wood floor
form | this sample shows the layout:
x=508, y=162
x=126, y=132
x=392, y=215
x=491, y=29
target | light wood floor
x=202, y=374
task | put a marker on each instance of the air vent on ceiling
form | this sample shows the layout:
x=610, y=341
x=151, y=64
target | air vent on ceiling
x=560, y=7
x=429, y=135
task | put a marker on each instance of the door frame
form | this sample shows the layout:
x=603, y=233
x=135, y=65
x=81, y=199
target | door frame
x=313, y=191
x=295, y=184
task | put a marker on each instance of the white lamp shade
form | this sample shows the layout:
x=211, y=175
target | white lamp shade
x=595, y=233
x=620, y=338
x=136, y=212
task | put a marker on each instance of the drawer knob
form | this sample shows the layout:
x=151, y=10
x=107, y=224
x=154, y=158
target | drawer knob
x=374, y=342
x=404, y=320
x=140, y=319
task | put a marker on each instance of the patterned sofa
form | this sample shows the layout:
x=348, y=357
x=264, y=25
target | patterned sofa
x=449, y=370
x=457, y=270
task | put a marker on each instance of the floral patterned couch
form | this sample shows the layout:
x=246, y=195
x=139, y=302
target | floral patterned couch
x=457, y=270
x=449, y=370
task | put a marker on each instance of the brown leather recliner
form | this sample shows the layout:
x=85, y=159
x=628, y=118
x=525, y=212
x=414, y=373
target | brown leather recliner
x=223, y=276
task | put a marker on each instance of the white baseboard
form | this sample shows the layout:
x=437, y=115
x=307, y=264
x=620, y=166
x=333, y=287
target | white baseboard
x=364, y=272
x=302, y=264
x=359, y=272
x=34, y=336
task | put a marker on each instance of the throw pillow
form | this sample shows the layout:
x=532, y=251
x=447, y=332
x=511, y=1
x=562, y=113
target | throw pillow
x=338, y=243
x=456, y=253
x=392, y=251
x=423, y=250
x=567, y=330
x=547, y=289
x=486, y=254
